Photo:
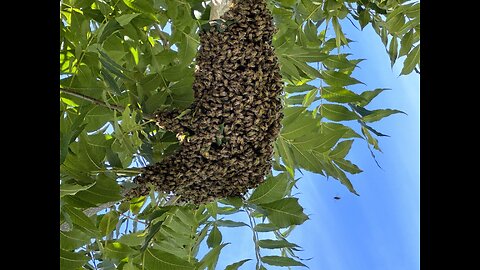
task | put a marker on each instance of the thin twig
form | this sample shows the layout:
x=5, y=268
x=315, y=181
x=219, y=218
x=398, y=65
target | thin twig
x=134, y=219
x=118, y=108
x=93, y=260
x=65, y=227
x=255, y=238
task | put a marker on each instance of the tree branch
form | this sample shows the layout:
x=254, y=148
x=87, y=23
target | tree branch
x=218, y=8
x=65, y=227
x=118, y=108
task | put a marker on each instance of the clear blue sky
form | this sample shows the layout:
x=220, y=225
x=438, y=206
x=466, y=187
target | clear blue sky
x=380, y=230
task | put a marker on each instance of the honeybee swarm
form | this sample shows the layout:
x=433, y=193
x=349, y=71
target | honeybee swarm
x=235, y=116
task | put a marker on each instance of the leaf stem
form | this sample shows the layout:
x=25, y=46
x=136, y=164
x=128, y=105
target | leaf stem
x=132, y=218
x=255, y=238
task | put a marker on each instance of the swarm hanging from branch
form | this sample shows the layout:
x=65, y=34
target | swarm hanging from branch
x=230, y=127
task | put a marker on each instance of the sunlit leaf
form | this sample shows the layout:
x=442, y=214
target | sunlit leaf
x=72, y=189
x=116, y=250
x=235, y=266
x=379, y=114
x=211, y=258
x=339, y=94
x=335, y=78
x=337, y=112
x=108, y=222
x=81, y=220
x=413, y=58
x=274, y=188
x=285, y=212
x=156, y=259
x=125, y=19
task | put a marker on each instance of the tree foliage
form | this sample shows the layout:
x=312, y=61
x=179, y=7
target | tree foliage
x=120, y=60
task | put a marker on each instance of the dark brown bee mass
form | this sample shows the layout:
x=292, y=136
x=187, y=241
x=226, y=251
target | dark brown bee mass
x=235, y=117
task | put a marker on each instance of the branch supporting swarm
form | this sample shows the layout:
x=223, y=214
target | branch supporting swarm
x=218, y=8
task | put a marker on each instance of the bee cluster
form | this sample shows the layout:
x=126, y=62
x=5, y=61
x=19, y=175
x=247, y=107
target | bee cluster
x=235, y=117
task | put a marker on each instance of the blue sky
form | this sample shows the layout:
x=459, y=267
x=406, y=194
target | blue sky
x=380, y=229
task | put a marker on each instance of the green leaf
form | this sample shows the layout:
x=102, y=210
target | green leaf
x=274, y=188
x=125, y=19
x=182, y=92
x=341, y=150
x=303, y=54
x=214, y=238
x=412, y=24
x=130, y=266
x=211, y=258
x=140, y=5
x=406, y=43
x=379, y=114
x=271, y=244
x=348, y=166
x=107, y=30
x=237, y=202
x=110, y=82
x=298, y=88
x=413, y=58
x=289, y=69
x=339, y=94
x=80, y=219
x=105, y=190
x=394, y=23
x=393, y=51
x=285, y=212
x=152, y=231
x=230, y=223
x=336, y=78
x=118, y=251
x=303, y=124
x=133, y=239
x=265, y=227
x=72, y=260
x=369, y=96
x=281, y=261
x=364, y=18
x=235, y=266
x=339, y=36
x=310, y=97
x=156, y=259
x=370, y=139
x=340, y=175
x=72, y=189
x=73, y=239
x=108, y=223
x=311, y=31
x=337, y=112
x=340, y=61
